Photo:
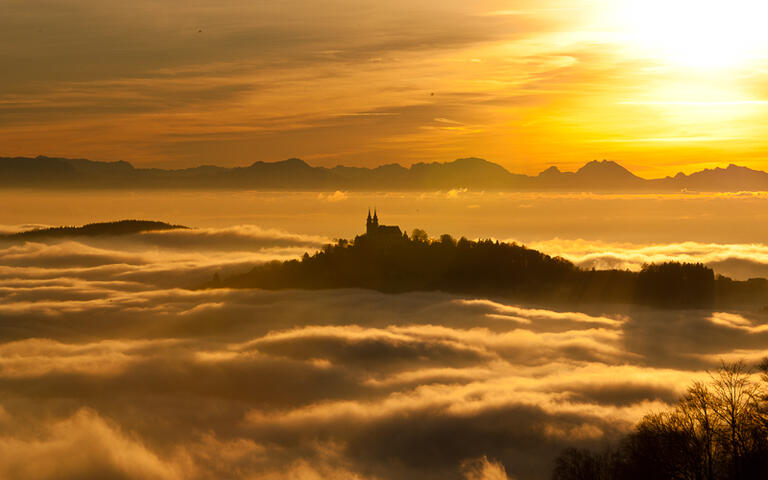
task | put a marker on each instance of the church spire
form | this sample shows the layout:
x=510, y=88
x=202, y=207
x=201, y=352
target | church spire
x=375, y=217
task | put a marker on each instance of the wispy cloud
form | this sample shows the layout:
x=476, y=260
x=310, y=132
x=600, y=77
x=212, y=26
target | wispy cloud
x=243, y=82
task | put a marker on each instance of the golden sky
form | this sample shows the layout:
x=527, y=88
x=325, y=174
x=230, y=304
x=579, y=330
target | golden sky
x=658, y=86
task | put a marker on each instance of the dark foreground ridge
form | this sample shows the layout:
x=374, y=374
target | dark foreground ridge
x=295, y=174
x=122, y=227
x=387, y=260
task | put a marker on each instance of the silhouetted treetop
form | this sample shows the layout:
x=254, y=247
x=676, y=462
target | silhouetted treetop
x=718, y=430
x=388, y=260
x=397, y=263
x=673, y=284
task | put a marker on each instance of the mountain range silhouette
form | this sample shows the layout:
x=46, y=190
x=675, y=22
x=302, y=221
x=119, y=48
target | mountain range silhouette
x=294, y=173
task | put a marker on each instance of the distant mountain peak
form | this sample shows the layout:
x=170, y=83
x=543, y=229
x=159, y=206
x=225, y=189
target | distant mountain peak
x=289, y=162
x=732, y=168
x=740, y=168
x=472, y=161
x=293, y=161
x=602, y=164
x=459, y=162
x=605, y=168
x=469, y=164
x=550, y=172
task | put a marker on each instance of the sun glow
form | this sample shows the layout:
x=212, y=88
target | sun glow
x=698, y=33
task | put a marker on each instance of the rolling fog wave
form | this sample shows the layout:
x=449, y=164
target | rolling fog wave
x=738, y=261
x=172, y=258
x=101, y=346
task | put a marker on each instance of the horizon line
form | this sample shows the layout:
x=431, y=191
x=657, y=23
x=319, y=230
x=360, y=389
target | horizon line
x=719, y=165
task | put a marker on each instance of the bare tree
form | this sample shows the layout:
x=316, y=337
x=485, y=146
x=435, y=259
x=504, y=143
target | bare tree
x=736, y=406
x=717, y=431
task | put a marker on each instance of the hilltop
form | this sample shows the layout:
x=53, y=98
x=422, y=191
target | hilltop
x=122, y=227
x=388, y=261
x=296, y=174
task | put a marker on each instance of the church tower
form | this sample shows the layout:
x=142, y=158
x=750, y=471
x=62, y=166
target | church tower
x=371, y=225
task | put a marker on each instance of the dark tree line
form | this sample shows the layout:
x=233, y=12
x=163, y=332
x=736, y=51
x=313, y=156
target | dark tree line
x=674, y=284
x=416, y=263
x=717, y=431
x=405, y=264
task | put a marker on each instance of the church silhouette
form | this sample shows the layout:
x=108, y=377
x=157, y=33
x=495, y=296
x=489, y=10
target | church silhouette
x=374, y=230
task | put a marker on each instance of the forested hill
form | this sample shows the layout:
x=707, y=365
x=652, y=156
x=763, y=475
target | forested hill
x=403, y=264
x=122, y=227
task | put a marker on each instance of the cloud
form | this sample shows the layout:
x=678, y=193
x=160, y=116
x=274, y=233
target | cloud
x=244, y=81
x=368, y=348
x=484, y=469
x=238, y=238
x=155, y=258
x=235, y=74
x=175, y=383
x=739, y=261
x=81, y=446
x=527, y=315
x=337, y=196
x=738, y=322
x=454, y=193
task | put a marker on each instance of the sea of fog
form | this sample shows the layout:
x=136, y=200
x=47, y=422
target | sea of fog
x=729, y=232
x=101, y=344
x=527, y=217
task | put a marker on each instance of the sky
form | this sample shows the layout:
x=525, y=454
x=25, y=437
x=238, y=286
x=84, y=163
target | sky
x=658, y=87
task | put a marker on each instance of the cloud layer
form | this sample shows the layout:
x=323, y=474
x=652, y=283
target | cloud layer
x=738, y=261
x=100, y=347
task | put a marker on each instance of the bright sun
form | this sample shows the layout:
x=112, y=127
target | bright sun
x=698, y=33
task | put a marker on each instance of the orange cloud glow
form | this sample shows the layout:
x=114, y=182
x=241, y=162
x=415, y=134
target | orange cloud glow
x=526, y=84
